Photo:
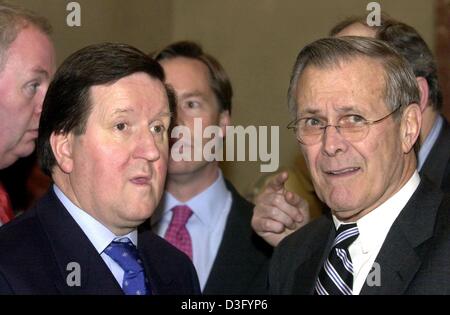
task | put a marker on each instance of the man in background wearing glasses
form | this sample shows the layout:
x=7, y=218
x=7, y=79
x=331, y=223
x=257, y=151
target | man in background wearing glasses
x=357, y=120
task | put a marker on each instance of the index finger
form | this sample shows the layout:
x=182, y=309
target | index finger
x=277, y=183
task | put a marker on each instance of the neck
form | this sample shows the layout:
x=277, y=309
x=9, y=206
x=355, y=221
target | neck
x=186, y=186
x=429, y=116
x=408, y=170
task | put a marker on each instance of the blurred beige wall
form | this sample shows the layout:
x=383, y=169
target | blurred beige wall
x=146, y=24
x=255, y=40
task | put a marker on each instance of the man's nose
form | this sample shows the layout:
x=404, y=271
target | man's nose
x=147, y=147
x=333, y=141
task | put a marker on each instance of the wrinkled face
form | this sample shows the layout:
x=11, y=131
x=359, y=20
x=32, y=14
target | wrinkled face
x=351, y=177
x=118, y=167
x=24, y=80
x=196, y=99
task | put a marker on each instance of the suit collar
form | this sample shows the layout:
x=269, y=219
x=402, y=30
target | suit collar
x=313, y=258
x=70, y=245
x=400, y=256
x=155, y=270
x=239, y=238
x=405, y=246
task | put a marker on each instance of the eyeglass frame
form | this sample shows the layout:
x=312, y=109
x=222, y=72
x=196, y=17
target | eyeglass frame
x=292, y=125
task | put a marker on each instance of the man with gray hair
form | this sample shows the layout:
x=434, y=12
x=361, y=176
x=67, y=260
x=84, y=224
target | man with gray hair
x=357, y=119
x=274, y=220
x=26, y=67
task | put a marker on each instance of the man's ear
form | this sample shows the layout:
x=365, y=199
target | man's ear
x=410, y=126
x=224, y=121
x=424, y=92
x=62, y=150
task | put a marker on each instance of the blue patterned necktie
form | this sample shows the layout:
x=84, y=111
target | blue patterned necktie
x=126, y=255
x=336, y=276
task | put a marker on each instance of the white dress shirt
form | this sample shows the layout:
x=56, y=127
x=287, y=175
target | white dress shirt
x=206, y=225
x=99, y=235
x=373, y=229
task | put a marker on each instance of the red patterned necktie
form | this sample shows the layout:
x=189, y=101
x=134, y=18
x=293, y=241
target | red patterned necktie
x=6, y=213
x=177, y=233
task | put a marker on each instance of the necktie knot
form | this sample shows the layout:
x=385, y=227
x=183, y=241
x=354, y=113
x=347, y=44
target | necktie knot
x=126, y=255
x=346, y=235
x=181, y=215
x=177, y=233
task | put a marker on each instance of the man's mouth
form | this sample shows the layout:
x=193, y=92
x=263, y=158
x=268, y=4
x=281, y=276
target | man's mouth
x=141, y=180
x=343, y=171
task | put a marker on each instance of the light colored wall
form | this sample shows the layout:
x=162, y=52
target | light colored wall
x=255, y=40
x=146, y=24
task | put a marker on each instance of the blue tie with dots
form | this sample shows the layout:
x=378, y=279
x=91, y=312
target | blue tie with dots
x=125, y=254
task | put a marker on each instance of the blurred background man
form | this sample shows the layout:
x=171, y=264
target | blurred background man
x=201, y=212
x=27, y=62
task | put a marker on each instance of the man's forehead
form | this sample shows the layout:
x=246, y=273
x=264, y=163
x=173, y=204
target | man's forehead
x=129, y=96
x=353, y=85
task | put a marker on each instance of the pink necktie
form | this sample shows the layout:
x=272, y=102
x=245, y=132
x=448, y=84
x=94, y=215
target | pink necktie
x=177, y=234
x=6, y=213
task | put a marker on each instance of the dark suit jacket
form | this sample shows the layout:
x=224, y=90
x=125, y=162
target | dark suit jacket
x=414, y=258
x=38, y=246
x=242, y=261
x=437, y=164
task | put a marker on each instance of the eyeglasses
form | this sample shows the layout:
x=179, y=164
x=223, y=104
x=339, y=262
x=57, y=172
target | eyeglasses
x=353, y=128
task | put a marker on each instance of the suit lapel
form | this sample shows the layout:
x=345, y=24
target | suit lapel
x=158, y=277
x=239, y=238
x=72, y=249
x=308, y=270
x=406, y=245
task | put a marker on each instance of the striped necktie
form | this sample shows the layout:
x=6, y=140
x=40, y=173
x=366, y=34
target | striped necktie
x=336, y=276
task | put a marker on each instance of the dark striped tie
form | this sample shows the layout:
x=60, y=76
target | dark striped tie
x=336, y=276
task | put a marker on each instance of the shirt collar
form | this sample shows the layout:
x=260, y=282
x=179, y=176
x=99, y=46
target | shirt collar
x=99, y=235
x=379, y=221
x=429, y=142
x=202, y=205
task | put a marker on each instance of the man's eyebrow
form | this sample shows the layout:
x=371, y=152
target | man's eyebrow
x=192, y=94
x=347, y=109
x=308, y=111
x=165, y=114
x=41, y=71
x=122, y=110
x=342, y=109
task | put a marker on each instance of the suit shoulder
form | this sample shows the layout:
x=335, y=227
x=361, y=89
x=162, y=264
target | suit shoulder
x=239, y=221
x=19, y=234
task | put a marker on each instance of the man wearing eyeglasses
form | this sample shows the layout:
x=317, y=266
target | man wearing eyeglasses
x=274, y=219
x=357, y=119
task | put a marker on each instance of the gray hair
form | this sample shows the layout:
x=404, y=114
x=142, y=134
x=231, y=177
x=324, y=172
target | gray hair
x=400, y=83
x=12, y=20
x=408, y=43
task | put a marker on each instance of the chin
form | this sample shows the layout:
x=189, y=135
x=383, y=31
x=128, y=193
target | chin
x=25, y=150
